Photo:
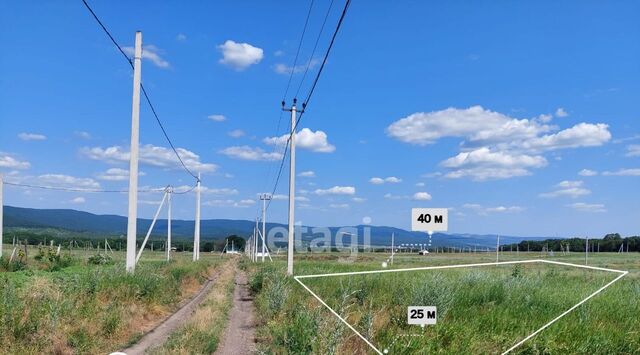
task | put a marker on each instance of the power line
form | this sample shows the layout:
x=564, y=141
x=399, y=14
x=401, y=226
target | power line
x=295, y=61
x=311, y=91
x=326, y=16
x=144, y=91
x=77, y=189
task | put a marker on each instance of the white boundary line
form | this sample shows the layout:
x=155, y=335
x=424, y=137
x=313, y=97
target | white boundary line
x=621, y=272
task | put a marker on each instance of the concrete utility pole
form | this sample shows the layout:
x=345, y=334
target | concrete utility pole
x=133, y=160
x=169, y=193
x=264, y=198
x=292, y=188
x=196, y=232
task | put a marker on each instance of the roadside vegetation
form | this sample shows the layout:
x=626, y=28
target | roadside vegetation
x=86, y=303
x=481, y=310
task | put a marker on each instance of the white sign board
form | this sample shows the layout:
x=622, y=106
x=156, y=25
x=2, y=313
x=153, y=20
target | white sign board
x=429, y=219
x=421, y=315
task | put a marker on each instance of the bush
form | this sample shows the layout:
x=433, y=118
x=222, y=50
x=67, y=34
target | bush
x=100, y=259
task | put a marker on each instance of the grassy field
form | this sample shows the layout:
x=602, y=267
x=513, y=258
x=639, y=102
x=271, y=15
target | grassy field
x=68, y=305
x=482, y=310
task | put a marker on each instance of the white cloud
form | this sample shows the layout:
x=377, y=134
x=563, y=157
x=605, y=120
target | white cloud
x=181, y=37
x=587, y=207
x=390, y=180
x=623, y=172
x=151, y=53
x=422, y=196
x=568, y=188
x=150, y=155
x=587, y=172
x=116, y=174
x=560, y=112
x=32, y=136
x=494, y=146
x=236, y=133
x=390, y=196
x=633, y=150
x=287, y=69
x=7, y=161
x=248, y=153
x=308, y=174
x=305, y=139
x=239, y=55
x=217, y=118
x=420, y=184
x=61, y=180
x=483, y=211
x=78, y=200
x=359, y=199
x=545, y=118
x=337, y=190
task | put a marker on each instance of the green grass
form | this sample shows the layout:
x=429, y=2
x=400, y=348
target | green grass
x=481, y=310
x=86, y=308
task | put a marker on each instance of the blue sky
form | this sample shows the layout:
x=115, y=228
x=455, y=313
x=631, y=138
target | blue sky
x=521, y=117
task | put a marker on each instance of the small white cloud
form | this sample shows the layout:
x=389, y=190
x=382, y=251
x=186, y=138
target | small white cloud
x=151, y=53
x=339, y=205
x=278, y=53
x=239, y=56
x=116, y=174
x=305, y=139
x=217, y=118
x=380, y=181
x=544, y=118
x=236, y=133
x=420, y=184
x=32, y=136
x=181, y=37
x=287, y=69
x=422, y=196
x=337, y=190
x=248, y=153
x=9, y=162
x=560, y=112
x=623, y=172
x=587, y=172
x=376, y=181
x=483, y=211
x=78, y=200
x=633, y=150
x=230, y=203
x=308, y=174
x=588, y=207
x=359, y=199
x=567, y=188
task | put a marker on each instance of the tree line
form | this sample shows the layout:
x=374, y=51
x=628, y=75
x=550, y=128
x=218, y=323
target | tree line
x=612, y=242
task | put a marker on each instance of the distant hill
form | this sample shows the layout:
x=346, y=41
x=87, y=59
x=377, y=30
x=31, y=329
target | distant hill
x=213, y=229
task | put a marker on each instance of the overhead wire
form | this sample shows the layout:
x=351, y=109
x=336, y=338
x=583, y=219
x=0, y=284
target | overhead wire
x=144, y=91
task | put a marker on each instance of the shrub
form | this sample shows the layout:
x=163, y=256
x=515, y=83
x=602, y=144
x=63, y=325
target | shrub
x=100, y=259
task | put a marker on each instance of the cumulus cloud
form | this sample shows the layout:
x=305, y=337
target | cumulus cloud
x=239, y=56
x=305, y=139
x=150, y=53
x=633, y=150
x=483, y=210
x=587, y=172
x=560, y=112
x=245, y=152
x=9, y=162
x=32, y=136
x=422, y=196
x=588, y=207
x=217, y=118
x=236, y=133
x=623, y=172
x=308, y=174
x=67, y=181
x=380, y=181
x=494, y=146
x=150, y=155
x=337, y=190
x=568, y=188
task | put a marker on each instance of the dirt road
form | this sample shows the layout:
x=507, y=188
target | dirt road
x=239, y=338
